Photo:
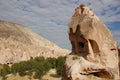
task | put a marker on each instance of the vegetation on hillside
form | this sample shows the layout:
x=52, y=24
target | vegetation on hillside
x=39, y=65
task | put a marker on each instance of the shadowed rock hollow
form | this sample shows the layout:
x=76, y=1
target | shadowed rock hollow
x=94, y=50
x=119, y=57
x=18, y=43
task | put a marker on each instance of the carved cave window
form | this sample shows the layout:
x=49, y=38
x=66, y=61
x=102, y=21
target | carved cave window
x=73, y=45
x=81, y=45
x=94, y=46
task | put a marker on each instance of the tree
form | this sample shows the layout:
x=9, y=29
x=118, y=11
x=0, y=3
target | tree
x=52, y=62
x=60, y=62
x=39, y=70
x=39, y=59
x=39, y=65
x=15, y=68
x=5, y=70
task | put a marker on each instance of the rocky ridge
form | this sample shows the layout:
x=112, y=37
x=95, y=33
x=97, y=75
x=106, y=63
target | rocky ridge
x=18, y=43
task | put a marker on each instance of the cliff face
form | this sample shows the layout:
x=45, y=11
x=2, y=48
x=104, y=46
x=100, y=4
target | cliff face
x=119, y=57
x=18, y=43
x=94, y=49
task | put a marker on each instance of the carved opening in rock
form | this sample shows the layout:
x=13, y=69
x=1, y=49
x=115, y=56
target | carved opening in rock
x=82, y=9
x=103, y=74
x=113, y=49
x=73, y=45
x=94, y=46
x=78, y=32
x=10, y=63
x=81, y=44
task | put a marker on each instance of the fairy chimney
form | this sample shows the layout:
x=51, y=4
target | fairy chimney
x=93, y=48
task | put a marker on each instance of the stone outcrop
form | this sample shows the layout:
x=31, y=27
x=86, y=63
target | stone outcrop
x=94, y=50
x=18, y=43
x=119, y=57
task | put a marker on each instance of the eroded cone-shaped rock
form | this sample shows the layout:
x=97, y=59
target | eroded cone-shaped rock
x=93, y=48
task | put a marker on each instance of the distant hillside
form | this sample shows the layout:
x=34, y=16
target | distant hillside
x=18, y=43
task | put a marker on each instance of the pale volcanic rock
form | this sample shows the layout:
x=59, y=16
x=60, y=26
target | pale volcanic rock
x=94, y=49
x=18, y=43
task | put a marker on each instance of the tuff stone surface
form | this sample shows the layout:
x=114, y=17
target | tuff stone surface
x=18, y=43
x=94, y=49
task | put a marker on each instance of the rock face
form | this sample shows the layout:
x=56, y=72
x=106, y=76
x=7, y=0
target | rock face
x=18, y=43
x=119, y=57
x=94, y=49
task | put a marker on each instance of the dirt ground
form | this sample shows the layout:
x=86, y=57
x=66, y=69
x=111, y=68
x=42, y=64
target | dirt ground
x=51, y=75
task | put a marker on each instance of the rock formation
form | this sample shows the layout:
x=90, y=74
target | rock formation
x=119, y=57
x=119, y=50
x=94, y=50
x=18, y=43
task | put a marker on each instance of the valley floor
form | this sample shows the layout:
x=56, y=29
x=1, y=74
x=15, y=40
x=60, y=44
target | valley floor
x=51, y=75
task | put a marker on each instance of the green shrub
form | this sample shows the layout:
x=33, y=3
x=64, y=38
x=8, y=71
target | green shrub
x=5, y=70
x=75, y=57
x=39, y=65
x=40, y=69
x=15, y=68
x=39, y=59
x=60, y=62
x=52, y=62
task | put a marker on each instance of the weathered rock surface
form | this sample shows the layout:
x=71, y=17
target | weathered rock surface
x=119, y=50
x=119, y=57
x=94, y=50
x=18, y=43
